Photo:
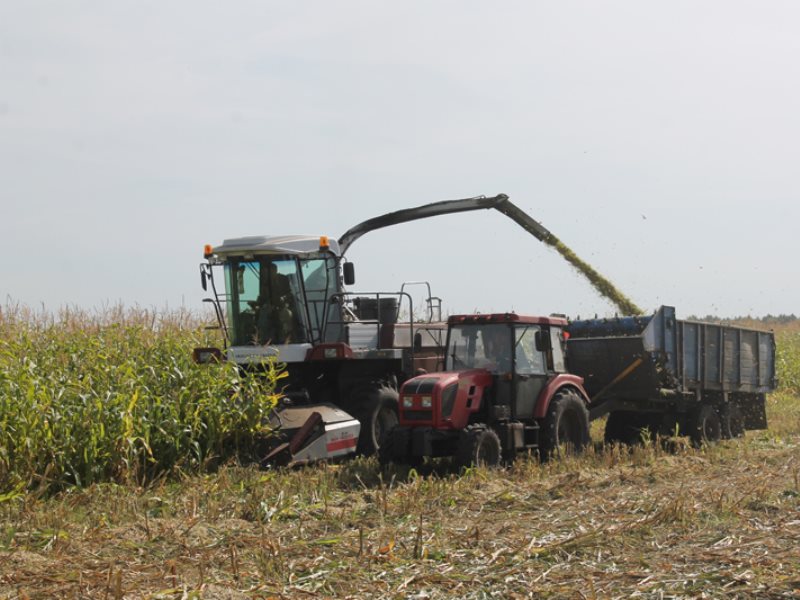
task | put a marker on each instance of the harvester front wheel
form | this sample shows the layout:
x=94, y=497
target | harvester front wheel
x=566, y=425
x=377, y=412
x=479, y=446
x=395, y=448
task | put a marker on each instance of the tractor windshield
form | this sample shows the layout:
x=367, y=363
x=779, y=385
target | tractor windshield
x=277, y=299
x=484, y=346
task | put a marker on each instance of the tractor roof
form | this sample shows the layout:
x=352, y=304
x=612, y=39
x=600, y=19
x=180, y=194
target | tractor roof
x=501, y=318
x=275, y=244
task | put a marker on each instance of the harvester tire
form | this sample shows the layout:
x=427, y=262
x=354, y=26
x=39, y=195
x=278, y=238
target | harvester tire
x=395, y=447
x=565, y=428
x=386, y=451
x=377, y=412
x=705, y=425
x=479, y=446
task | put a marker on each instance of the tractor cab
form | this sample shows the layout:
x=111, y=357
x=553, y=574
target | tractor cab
x=504, y=377
x=512, y=356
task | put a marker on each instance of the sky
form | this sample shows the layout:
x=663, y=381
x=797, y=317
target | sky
x=659, y=140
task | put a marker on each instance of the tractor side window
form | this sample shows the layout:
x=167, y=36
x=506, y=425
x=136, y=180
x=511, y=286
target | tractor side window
x=529, y=360
x=557, y=343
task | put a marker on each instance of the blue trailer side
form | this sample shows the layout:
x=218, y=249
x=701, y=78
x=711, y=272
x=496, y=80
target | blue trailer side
x=657, y=372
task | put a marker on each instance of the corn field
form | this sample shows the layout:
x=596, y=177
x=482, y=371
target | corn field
x=114, y=396
x=88, y=397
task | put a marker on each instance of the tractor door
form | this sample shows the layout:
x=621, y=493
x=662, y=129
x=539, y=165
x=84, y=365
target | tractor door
x=530, y=368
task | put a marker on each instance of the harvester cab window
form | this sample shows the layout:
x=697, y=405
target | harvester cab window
x=529, y=360
x=319, y=277
x=265, y=305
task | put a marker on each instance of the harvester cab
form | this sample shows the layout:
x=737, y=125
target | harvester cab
x=277, y=295
x=505, y=389
x=344, y=353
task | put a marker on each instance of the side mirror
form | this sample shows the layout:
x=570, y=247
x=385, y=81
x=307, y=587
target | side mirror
x=349, y=273
x=203, y=279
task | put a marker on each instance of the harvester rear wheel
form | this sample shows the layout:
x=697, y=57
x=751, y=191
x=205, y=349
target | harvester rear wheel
x=566, y=426
x=479, y=446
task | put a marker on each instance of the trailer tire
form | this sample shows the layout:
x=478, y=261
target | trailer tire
x=479, y=446
x=566, y=425
x=705, y=425
x=376, y=410
x=732, y=419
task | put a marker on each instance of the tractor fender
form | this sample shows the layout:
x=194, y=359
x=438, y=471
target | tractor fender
x=549, y=390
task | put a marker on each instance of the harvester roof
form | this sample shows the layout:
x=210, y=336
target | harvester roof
x=275, y=244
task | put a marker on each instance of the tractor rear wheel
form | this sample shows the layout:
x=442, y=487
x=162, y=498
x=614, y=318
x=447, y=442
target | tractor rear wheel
x=705, y=425
x=566, y=425
x=479, y=446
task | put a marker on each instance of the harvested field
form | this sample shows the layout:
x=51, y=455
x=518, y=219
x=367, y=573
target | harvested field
x=724, y=521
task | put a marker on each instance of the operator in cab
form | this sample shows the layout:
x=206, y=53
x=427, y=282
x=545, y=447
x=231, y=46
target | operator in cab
x=496, y=349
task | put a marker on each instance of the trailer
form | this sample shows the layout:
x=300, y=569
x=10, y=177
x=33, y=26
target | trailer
x=668, y=376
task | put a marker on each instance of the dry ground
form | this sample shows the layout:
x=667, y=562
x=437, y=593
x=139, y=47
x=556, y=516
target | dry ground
x=718, y=522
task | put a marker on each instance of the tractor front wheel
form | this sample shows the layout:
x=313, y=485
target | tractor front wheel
x=479, y=446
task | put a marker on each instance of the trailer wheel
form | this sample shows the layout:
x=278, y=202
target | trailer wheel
x=732, y=419
x=479, y=446
x=705, y=425
x=566, y=425
x=377, y=412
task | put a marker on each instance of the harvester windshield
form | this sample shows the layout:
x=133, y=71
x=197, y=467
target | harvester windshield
x=277, y=299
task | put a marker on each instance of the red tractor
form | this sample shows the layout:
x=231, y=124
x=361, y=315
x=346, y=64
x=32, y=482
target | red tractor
x=505, y=389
